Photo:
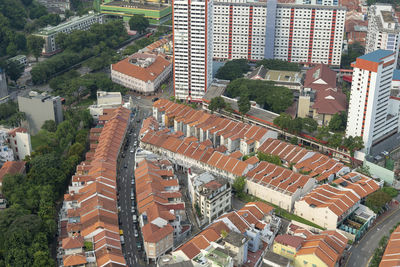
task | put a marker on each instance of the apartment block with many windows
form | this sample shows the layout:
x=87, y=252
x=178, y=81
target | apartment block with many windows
x=193, y=48
x=371, y=113
x=383, y=29
x=292, y=32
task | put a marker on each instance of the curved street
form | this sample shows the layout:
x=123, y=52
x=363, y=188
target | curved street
x=361, y=253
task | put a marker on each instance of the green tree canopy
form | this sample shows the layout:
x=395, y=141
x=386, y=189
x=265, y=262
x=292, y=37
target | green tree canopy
x=353, y=144
x=244, y=104
x=239, y=184
x=377, y=200
x=269, y=158
x=35, y=45
x=217, y=103
x=233, y=69
x=277, y=64
x=14, y=70
x=354, y=51
x=264, y=93
x=338, y=122
x=138, y=23
x=50, y=126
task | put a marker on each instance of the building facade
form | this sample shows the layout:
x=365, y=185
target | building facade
x=193, y=48
x=39, y=108
x=76, y=23
x=3, y=84
x=371, y=114
x=383, y=29
x=209, y=195
x=142, y=73
x=20, y=142
x=291, y=32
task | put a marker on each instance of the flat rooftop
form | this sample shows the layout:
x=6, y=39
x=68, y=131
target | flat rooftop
x=283, y=76
x=72, y=21
x=387, y=16
x=217, y=88
x=259, y=113
x=138, y=5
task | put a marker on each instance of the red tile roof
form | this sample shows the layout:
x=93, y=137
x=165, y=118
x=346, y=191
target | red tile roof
x=149, y=73
x=333, y=198
x=153, y=234
x=391, y=256
x=72, y=242
x=11, y=167
x=289, y=240
x=328, y=246
x=74, y=259
x=320, y=77
x=330, y=101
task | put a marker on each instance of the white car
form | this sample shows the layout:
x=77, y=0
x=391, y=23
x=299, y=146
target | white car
x=136, y=233
x=132, y=151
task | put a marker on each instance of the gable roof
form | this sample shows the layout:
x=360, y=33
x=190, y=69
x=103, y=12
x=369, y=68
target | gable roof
x=328, y=246
x=319, y=73
x=391, y=256
x=11, y=167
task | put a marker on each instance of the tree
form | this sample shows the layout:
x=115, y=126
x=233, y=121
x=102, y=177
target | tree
x=14, y=70
x=354, y=51
x=239, y=184
x=50, y=126
x=269, y=158
x=264, y=93
x=233, y=69
x=42, y=258
x=244, y=104
x=76, y=149
x=323, y=132
x=294, y=140
x=138, y=23
x=377, y=200
x=338, y=122
x=35, y=45
x=335, y=140
x=310, y=125
x=353, y=144
x=390, y=191
x=217, y=103
x=277, y=64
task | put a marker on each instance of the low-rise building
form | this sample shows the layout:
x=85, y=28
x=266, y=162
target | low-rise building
x=11, y=167
x=106, y=100
x=277, y=185
x=6, y=153
x=272, y=259
x=20, y=59
x=56, y=6
x=161, y=211
x=324, y=249
x=3, y=84
x=234, y=239
x=89, y=212
x=320, y=98
x=49, y=33
x=209, y=195
x=331, y=204
x=289, y=79
x=391, y=256
x=20, y=142
x=287, y=245
x=39, y=108
x=141, y=72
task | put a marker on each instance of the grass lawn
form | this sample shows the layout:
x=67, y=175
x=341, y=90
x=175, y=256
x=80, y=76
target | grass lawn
x=279, y=211
x=36, y=141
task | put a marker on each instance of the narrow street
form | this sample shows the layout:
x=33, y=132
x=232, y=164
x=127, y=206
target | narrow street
x=133, y=255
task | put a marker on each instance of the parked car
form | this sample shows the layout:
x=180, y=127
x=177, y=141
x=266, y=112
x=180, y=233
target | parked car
x=139, y=245
x=133, y=209
x=132, y=196
x=136, y=233
x=134, y=217
x=155, y=99
x=132, y=151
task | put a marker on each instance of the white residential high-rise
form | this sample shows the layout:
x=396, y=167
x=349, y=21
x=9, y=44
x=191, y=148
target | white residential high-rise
x=267, y=29
x=318, y=2
x=371, y=113
x=383, y=29
x=193, y=48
